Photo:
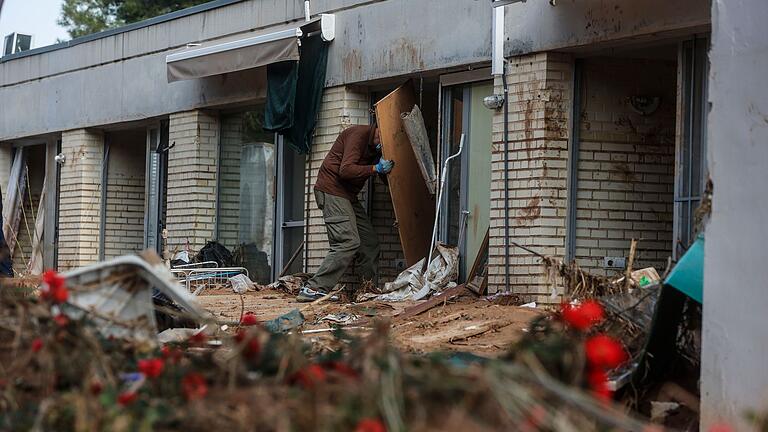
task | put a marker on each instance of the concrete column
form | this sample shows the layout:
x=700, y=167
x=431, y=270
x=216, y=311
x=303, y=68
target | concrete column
x=340, y=108
x=734, y=370
x=191, y=218
x=539, y=106
x=6, y=160
x=80, y=196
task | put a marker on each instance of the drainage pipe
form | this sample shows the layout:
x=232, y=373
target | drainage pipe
x=103, y=201
x=506, y=176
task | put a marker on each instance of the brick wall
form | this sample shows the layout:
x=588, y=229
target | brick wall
x=79, y=195
x=6, y=160
x=229, y=182
x=124, y=230
x=626, y=163
x=383, y=219
x=192, y=179
x=539, y=105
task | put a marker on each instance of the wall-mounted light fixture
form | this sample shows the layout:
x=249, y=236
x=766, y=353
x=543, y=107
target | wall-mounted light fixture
x=644, y=105
x=494, y=102
x=60, y=158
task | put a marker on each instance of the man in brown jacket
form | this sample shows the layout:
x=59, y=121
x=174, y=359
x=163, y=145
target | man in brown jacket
x=354, y=157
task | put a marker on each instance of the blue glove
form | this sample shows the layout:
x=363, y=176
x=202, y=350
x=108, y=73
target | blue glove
x=384, y=166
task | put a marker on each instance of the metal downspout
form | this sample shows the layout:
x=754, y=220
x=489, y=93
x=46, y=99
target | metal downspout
x=506, y=177
x=103, y=206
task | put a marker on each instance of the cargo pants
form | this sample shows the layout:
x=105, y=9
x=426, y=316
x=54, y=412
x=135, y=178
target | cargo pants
x=351, y=236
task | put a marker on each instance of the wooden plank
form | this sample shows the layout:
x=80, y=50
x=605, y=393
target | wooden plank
x=481, y=258
x=434, y=301
x=414, y=205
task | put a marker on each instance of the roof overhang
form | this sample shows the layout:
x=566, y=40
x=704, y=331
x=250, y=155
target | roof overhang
x=246, y=51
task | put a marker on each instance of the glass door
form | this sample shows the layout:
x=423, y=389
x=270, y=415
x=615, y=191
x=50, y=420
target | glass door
x=156, y=185
x=466, y=212
x=289, y=242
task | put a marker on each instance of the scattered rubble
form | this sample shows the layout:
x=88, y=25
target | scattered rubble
x=62, y=374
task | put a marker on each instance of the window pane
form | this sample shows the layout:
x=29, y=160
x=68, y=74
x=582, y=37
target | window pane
x=246, y=193
x=454, y=170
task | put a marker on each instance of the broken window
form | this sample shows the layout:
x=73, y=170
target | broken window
x=691, y=172
x=247, y=192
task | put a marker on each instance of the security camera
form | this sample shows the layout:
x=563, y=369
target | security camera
x=493, y=102
x=60, y=158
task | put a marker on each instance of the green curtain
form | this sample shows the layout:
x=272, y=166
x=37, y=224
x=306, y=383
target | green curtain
x=281, y=95
x=294, y=92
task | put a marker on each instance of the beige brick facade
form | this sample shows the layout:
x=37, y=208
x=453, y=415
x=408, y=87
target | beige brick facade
x=539, y=105
x=124, y=230
x=79, y=197
x=191, y=213
x=229, y=182
x=626, y=163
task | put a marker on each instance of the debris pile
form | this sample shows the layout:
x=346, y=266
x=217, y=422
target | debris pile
x=61, y=373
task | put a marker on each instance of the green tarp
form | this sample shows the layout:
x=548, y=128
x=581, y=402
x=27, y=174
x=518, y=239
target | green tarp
x=294, y=91
x=688, y=275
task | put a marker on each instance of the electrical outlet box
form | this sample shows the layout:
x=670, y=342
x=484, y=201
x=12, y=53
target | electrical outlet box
x=614, y=262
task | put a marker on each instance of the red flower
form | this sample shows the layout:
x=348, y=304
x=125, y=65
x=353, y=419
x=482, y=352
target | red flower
x=252, y=348
x=583, y=316
x=370, y=425
x=37, y=345
x=198, y=338
x=193, y=386
x=604, y=352
x=249, y=319
x=172, y=354
x=151, y=368
x=54, y=287
x=342, y=368
x=720, y=427
x=96, y=387
x=126, y=398
x=309, y=376
x=61, y=320
x=598, y=382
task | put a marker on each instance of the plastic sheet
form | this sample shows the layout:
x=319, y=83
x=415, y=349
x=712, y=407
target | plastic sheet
x=413, y=284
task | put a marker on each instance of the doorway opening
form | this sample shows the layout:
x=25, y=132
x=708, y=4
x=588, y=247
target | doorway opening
x=622, y=158
x=124, y=196
x=260, y=208
x=465, y=213
x=24, y=208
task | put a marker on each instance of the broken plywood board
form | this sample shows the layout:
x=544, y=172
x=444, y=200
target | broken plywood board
x=441, y=298
x=413, y=122
x=414, y=205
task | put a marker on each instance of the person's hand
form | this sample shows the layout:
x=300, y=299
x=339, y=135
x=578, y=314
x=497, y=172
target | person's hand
x=384, y=166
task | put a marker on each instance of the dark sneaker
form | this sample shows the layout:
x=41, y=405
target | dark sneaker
x=307, y=294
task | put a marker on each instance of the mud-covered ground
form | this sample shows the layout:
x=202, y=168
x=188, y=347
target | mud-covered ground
x=466, y=324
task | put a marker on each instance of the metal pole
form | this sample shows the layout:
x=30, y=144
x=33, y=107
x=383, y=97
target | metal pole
x=440, y=200
x=103, y=207
x=506, y=176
